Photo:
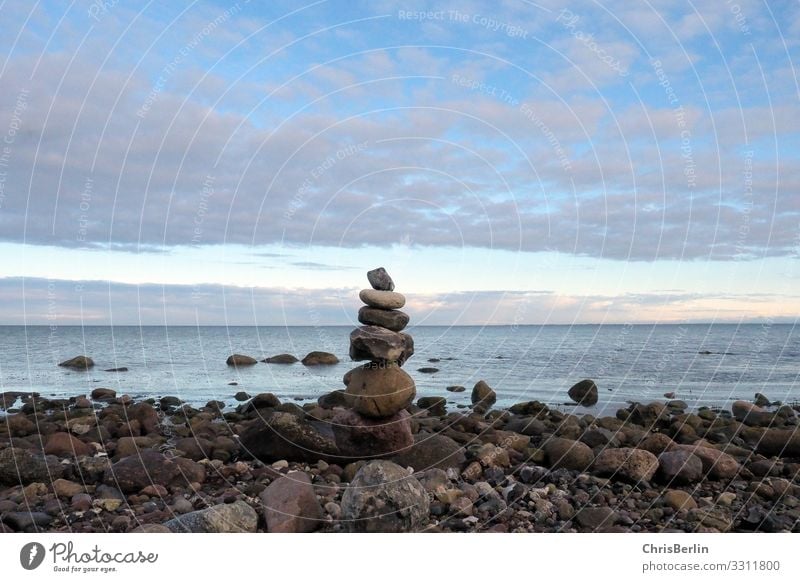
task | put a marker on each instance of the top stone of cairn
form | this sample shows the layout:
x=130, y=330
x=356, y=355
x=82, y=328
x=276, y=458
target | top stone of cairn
x=380, y=279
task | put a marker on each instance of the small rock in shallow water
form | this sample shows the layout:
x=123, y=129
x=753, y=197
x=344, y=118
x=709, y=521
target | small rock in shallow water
x=584, y=393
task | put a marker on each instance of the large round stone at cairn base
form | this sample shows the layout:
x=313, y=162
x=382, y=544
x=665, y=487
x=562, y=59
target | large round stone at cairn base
x=379, y=390
x=370, y=342
x=360, y=437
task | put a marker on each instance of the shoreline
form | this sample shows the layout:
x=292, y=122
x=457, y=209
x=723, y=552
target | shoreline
x=112, y=463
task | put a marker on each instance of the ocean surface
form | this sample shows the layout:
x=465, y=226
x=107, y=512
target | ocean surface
x=628, y=362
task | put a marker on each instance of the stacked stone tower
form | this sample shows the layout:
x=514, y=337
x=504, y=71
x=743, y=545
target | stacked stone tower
x=376, y=423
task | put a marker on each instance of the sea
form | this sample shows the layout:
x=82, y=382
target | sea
x=701, y=364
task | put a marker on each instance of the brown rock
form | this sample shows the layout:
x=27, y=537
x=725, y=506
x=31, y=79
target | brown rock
x=363, y=437
x=63, y=444
x=281, y=359
x=680, y=467
x=284, y=436
x=584, y=393
x=564, y=453
x=290, y=504
x=716, y=464
x=391, y=319
x=78, y=363
x=134, y=473
x=482, y=395
x=432, y=451
x=679, y=500
x=776, y=442
x=64, y=488
x=628, y=464
x=319, y=359
x=19, y=425
x=379, y=390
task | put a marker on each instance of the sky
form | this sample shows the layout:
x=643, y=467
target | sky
x=509, y=162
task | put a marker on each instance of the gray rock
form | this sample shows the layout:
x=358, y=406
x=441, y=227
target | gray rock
x=370, y=342
x=482, y=395
x=21, y=466
x=284, y=436
x=432, y=451
x=78, y=363
x=27, y=521
x=382, y=299
x=680, y=467
x=281, y=359
x=584, y=393
x=383, y=497
x=240, y=360
x=290, y=504
x=456, y=389
x=236, y=517
x=596, y=518
x=634, y=465
x=564, y=453
x=392, y=319
x=380, y=279
x=435, y=405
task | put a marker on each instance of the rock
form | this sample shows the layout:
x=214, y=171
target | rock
x=134, y=473
x=775, y=442
x=22, y=466
x=383, y=497
x=647, y=415
x=240, y=360
x=147, y=417
x=634, y=465
x=380, y=279
x=290, y=505
x=456, y=389
x=679, y=500
x=332, y=399
x=711, y=517
x=564, y=453
x=382, y=299
x=584, y=393
x=65, y=488
x=103, y=394
x=78, y=363
x=370, y=342
x=750, y=414
x=681, y=467
x=236, y=517
x=169, y=402
x=194, y=448
x=151, y=528
x=435, y=405
x=726, y=498
x=657, y=443
x=280, y=359
x=482, y=395
x=761, y=400
x=263, y=400
x=596, y=518
x=319, y=359
x=432, y=451
x=63, y=444
x=391, y=319
x=716, y=464
x=241, y=396
x=359, y=437
x=27, y=521
x=526, y=425
x=19, y=425
x=285, y=436
x=120, y=369
x=379, y=390
x=127, y=446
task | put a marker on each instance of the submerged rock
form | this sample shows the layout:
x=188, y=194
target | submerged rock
x=78, y=363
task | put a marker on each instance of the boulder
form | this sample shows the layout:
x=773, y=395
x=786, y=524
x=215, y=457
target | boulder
x=78, y=363
x=656, y=443
x=384, y=498
x=22, y=466
x=751, y=415
x=382, y=299
x=370, y=342
x=679, y=500
x=432, y=451
x=332, y=399
x=103, y=394
x=134, y=473
x=435, y=405
x=63, y=444
x=564, y=453
x=284, y=436
x=380, y=279
x=236, y=517
x=290, y=504
x=628, y=464
x=319, y=359
x=391, y=319
x=67, y=489
x=240, y=360
x=584, y=393
x=596, y=518
x=680, y=467
x=716, y=464
x=19, y=425
x=775, y=442
x=379, y=390
x=280, y=359
x=360, y=437
x=482, y=395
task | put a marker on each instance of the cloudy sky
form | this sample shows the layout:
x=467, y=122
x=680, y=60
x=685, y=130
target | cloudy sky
x=510, y=162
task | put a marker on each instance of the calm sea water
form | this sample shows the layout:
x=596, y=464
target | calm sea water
x=641, y=362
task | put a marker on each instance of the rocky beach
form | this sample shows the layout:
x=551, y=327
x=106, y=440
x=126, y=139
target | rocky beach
x=371, y=458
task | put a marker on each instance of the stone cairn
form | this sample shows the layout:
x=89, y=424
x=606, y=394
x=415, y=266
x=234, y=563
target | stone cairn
x=376, y=424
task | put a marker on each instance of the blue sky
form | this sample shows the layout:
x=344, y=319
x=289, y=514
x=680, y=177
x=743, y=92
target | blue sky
x=511, y=162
